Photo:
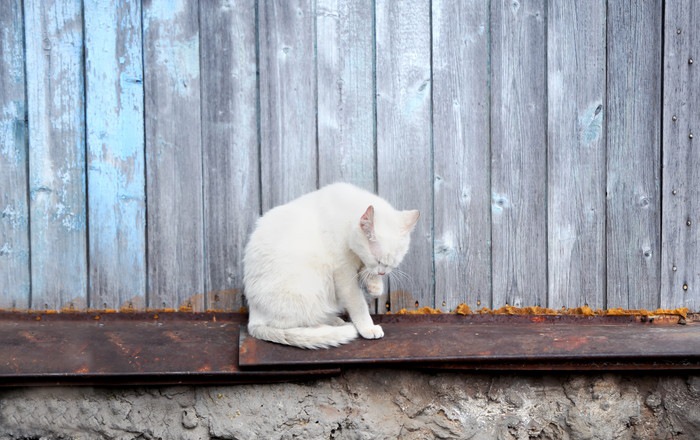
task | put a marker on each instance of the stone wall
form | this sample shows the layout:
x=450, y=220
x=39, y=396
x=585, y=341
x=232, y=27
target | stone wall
x=368, y=404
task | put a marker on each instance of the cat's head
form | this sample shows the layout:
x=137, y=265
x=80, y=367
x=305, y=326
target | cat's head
x=385, y=238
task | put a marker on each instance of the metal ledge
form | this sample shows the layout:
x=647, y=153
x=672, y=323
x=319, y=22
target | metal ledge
x=498, y=342
x=161, y=348
x=127, y=348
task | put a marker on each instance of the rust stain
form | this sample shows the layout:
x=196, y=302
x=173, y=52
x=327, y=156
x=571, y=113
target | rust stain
x=224, y=300
x=173, y=336
x=194, y=303
x=571, y=343
x=29, y=336
x=133, y=304
x=401, y=299
x=463, y=309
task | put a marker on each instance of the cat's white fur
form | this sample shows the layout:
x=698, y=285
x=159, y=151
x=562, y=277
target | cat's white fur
x=307, y=261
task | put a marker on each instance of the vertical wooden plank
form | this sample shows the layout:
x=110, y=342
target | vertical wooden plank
x=55, y=101
x=173, y=154
x=345, y=43
x=404, y=150
x=287, y=100
x=519, y=153
x=576, y=153
x=230, y=144
x=115, y=148
x=14, y=211
x=680, y=267
x=633, y=156
x=461, y=153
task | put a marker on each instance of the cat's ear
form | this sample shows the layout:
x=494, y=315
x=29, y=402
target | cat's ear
x=410, y=218
x=367, y=223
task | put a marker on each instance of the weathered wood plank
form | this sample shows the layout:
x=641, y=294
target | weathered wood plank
x=404, y=150
x=519, y=153
x=287, y=100
x=461, y=81
x=345, y=63
x=680, y=260
x=633, y=132
x=115, y=154
x=55, y=103
x=173, y=154
x=15, y=283
x=576, y=153
x=230, y=144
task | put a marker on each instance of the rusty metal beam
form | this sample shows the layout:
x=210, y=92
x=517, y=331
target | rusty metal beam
x=502, y=342
x=203, y=348
x=127, y=348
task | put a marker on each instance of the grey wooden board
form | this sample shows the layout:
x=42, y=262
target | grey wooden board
x=287, y=100
x=576, y=153
x=14, y=209
x=519, y=153
x=345, y=65
x=680, y=264
x=115, y=154
x=55, y=103
x=633, y=240
x=404, y=144
x=230, y=144
x=173, y=154
x=462, y=224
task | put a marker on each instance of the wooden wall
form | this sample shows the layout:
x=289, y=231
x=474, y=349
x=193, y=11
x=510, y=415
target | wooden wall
x=548, y=144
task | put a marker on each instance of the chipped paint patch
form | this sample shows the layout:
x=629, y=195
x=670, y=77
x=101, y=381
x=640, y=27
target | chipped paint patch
x=591, y=124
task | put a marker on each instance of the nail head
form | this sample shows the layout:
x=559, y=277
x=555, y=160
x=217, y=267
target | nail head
x=685, y=286
x=690, y=61
x=674, y=118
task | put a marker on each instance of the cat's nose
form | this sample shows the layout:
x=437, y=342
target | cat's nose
x=381, y=273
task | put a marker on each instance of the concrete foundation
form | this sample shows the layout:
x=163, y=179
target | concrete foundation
x=368, y=404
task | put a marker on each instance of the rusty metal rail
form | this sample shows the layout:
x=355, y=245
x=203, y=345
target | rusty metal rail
x=127, y=348
x=200, y=348
x=502, y=342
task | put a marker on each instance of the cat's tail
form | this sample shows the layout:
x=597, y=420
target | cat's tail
x=323, y=336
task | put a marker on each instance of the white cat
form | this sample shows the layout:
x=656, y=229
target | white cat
x=307, y=261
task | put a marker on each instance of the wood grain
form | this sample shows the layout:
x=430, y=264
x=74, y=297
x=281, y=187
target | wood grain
x=345, y=64
x=680, y=271
x=55, y=106
x=230, y=145
x=519, y=153
x=462, y=248
x=115, y=154
x=576, y=153
x=287, y=100
x=15, y=284
x=404, y=144
x=173, y=154
x=633, y=246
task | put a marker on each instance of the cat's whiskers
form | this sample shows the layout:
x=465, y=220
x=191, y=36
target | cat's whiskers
x=401, y=279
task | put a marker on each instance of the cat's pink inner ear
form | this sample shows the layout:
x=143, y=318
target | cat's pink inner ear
x=410, y=219
x=367, y=222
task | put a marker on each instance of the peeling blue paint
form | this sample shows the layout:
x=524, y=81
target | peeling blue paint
x=591, y=124
x=115, y=143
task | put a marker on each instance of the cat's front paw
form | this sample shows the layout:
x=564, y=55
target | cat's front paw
x=371, y=332
x=374, y=285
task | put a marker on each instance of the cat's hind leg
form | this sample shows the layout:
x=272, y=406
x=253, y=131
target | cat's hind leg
x=298, y=312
